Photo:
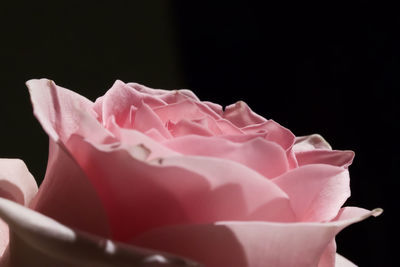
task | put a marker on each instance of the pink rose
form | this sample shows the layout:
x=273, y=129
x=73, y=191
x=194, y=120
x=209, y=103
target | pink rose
x=162, y=170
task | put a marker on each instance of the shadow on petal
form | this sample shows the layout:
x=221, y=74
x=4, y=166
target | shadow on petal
x=37, y=240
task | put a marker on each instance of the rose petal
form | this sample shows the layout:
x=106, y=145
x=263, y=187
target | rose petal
x=168, y=96
x=341, y=261
x=16, y=182
x=252, y=244
x=129, y=137
x=266, y=157
x=62, y=112
x=273, y=132
x=241, y=115
x=310, y=142
x=68, y=196
x=4, y=238
x=37, y=240
x=331, y=157
x=187, y=109
x=329, y=255
x=146, y=119
x=185, y=127
x=176, y=190
x=118, y=100
x=316, y=191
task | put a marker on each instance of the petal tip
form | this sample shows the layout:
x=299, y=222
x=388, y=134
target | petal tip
x=376, y=212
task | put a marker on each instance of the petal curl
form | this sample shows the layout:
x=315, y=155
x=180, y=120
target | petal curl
x=62, y=112
x=251, y=244
x=67, y=195
x=331, y=157
x=37, y=240
x=310, y=142
x=175, y=189
x=16, y=182
x=241, y=115
x=263, y=156
x=316, y=191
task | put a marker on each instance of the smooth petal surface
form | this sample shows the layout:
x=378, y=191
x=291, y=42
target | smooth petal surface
x=341, y=261
x=139, y=196
x=253, y=244
x=67, y=195
x=16, y=182
x=316, y=191
x=37, y=240
x=268, y=158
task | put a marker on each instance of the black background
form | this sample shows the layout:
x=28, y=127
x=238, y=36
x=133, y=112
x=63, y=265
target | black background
x=330, y=69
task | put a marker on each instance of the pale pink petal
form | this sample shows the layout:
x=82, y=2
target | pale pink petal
x=62, y=112
x=266, y=157
x=139, y=195
x=118, y=100
x=128, y=137
x=341, y=261
x=331, y=157
x=37, y=240
x=241, y=115
x=187, y=109
x=68, y=196
x=4, y=238
x=329, y=255
x=16, y=182
x=210, y=124
x=228, y=128
x=186, y=127
x=273, y=132
x=310, y=142
x=168, y=96
x=215, y=107
x=316, y=191
x=250, y=244
x=146, y=119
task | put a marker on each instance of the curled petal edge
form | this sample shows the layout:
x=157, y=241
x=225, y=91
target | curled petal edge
x=54, y=242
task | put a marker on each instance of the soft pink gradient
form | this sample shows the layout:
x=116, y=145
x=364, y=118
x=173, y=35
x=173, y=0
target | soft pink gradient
x=163, y=170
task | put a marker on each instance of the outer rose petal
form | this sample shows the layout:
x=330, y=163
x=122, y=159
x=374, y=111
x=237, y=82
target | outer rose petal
x=139, y=196
x=310, y=142
x=252, y=244
x=341, y=261
x=62, y=112
x=331, y=157
x=316, y=191
x=314, y=149
x=68, y=196
x=37, y=240
x=4, y=238
x=17, y=184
